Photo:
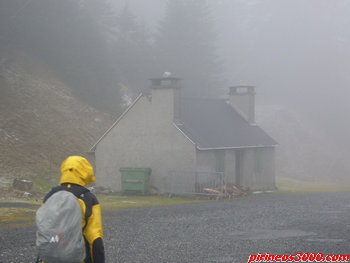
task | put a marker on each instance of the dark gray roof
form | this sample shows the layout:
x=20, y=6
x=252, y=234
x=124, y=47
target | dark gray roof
x=214, y=124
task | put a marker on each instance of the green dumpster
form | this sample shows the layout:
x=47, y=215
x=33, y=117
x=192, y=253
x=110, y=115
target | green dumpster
x=135, y=179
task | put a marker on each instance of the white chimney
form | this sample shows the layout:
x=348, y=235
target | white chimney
x=242, y=99
x=166, y=95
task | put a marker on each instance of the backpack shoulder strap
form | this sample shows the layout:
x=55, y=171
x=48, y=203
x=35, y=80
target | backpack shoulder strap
x=82, y=193
x=78, y=191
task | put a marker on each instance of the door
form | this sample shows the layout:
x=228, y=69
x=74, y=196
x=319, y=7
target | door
x=239, y=166
x=220, y=161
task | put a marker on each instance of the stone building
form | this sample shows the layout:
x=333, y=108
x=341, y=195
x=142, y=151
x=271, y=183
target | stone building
x=185, y=138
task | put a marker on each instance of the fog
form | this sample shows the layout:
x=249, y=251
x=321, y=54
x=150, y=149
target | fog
x=134, y=86
x=295, y=52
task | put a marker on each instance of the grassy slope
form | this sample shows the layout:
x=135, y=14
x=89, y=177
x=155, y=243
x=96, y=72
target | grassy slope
x=15, y=217
x=24, y=216
x=285, y=184
x=40, y=121
x=118, y=202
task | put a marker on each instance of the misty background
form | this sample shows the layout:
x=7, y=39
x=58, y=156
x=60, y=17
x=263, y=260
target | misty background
x=295, y=52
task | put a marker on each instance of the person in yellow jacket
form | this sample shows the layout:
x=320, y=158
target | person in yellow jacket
x=76, y=173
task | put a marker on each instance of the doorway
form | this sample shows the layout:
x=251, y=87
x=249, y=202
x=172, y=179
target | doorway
x=239, y=166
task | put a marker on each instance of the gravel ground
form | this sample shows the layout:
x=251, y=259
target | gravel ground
x=224, y=231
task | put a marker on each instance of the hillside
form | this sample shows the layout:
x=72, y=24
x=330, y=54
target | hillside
x=40, y=121
x=306, y=151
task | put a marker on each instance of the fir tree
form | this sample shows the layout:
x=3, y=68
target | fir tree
x=132, y=52
x=185, y=46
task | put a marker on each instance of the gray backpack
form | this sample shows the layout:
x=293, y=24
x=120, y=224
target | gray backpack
x=59, y=237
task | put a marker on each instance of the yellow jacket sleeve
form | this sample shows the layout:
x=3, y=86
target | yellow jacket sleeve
x=93, y=229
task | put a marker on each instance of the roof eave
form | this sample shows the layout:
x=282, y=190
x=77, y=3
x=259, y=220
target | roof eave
x=183, y=133
x=234, y=147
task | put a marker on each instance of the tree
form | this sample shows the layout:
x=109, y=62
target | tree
x=185, y=46
x=73, y=38
x=132, y=52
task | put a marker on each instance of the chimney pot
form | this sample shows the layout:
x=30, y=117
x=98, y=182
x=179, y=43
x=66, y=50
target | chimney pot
x=237, y=90
x=168, y=82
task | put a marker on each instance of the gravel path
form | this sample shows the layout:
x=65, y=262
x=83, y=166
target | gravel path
x=225, y=231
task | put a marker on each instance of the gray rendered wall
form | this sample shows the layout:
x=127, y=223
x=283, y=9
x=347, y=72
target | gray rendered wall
x=145, y=137
x=259, y=168
x=206, y=162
